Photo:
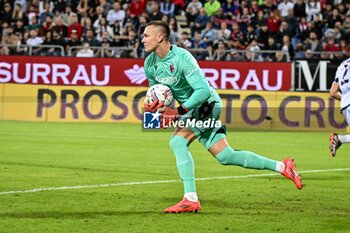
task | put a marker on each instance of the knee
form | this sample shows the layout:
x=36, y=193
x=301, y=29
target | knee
x=223, y=160
x=177, y=142
x=224, y=157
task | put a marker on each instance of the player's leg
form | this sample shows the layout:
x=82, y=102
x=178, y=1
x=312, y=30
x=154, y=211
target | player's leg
x=179, y=143
x=336, y=140
x=226, y=155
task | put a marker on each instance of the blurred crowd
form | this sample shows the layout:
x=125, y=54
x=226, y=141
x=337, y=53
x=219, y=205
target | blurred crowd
x=211, y=30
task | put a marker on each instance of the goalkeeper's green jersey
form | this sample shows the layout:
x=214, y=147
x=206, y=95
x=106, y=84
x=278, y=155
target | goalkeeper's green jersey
x=180, y=71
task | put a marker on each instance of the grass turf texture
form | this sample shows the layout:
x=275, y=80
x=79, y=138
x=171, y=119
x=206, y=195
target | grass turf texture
x=39, y=155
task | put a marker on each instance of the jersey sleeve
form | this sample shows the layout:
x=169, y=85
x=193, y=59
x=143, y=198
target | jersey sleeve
x=340, y=73
x=196, y=80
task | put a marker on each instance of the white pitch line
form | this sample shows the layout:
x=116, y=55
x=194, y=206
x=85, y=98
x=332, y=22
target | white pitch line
x=162, y=181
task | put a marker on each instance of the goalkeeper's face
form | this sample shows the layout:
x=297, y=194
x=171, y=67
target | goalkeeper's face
x=152, y=38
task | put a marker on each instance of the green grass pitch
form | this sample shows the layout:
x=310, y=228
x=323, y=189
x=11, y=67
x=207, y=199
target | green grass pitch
x=51, y=155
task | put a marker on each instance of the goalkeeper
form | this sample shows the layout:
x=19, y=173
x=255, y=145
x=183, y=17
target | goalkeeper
x=178, y=69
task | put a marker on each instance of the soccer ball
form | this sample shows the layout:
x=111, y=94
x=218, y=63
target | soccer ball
x=161, y=92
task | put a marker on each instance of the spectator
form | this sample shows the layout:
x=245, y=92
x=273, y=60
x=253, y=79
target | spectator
x=8, y=42
x=87, y=25
x=42, y=6
x=299, y=9
x=116, y=14
x=334, y=17
x=236, y=33
x=58, y=40
x=220, y=54
x=252, y=52
x=263, y=35
x=346, y=23
x=279, y=57
x=46, y=26
x=271, y=46
x=330, y=47
x=106, y=51
x=185, y=41
x=209, y=33
x=283, y=8
x=283, y=31
x=179, y=6
x=253, y=10
x=137, y=7
x=155, y=14
x=273, y=23
x=6, y=14
x=302, y=30
x=34, y=40
x=68, y=16
x=75, y=26
x=18, y=14
x=167, y=7
x=19, y=27
x=83, y=7
x=287, y=47
x=85, y=51
x=250, y=35
x=224, y=33
x=132, y=44
x=244, y=19
x=90, y=38
x=267, y=7
x=99, y=14
x=60, y=27
x=33, y=12
x=212, y=7
x=48, y=41
x=175, y=30
x=45, y=13
x=101, y=27
x=236, y=56
x=73, y=41
x=313, y=43
x=34, y=25
x=312, y=8
x=106, y=6
x=200, y=21
x=59, y=5
x=192, y=10
x=198, y=43
x=22, y=3
x=229, y=8
x=261, y=20
x=165, y=19
x=292, y=23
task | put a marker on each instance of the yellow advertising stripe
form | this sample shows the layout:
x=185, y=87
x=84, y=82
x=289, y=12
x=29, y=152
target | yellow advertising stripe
x=241, y=109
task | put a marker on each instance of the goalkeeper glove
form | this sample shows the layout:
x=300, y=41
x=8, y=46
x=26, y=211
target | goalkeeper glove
x=153, y=107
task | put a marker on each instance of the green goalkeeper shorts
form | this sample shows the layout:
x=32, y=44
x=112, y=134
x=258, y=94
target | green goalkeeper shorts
x=205, y=123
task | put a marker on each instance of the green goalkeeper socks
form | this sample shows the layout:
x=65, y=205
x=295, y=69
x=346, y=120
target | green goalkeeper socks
x=246, y=159
x=184, y=162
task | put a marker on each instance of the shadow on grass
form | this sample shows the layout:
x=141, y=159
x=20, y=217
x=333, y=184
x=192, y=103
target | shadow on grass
x=74, y=215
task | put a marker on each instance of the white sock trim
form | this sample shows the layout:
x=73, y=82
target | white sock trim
x=280, y=167
x=191, y=196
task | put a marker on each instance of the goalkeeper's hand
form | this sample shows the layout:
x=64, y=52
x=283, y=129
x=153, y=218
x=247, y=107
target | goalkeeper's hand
x=153, y=107
x=168, y=116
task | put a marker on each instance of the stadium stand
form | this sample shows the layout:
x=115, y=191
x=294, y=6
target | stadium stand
x=250, y=30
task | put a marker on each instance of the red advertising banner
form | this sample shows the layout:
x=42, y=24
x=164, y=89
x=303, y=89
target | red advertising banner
x=130, y=72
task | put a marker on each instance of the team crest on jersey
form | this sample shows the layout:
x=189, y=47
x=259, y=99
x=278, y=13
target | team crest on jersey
x=172, y=68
